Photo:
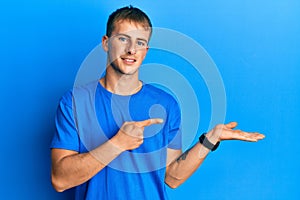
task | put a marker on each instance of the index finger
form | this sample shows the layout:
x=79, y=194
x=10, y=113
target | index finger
x=149, y=122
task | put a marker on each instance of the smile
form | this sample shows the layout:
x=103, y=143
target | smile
x=129, y=60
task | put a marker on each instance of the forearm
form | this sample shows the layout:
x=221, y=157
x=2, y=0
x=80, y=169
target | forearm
x=188, y=162
x=75, y=169
x=185, y=165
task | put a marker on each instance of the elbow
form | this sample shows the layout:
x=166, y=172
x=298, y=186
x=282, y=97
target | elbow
x=172, y=185
x=173, y=182
x=57, y=184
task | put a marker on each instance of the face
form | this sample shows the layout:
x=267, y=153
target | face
x=127, y=47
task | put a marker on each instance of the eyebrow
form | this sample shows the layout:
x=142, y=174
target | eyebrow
x=122, y=34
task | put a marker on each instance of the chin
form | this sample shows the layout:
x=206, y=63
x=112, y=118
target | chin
x=131, y=72
x=128, y=70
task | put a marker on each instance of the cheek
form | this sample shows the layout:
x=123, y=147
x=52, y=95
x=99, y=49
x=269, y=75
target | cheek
x=113, y=53
x=144, y=53
x=116, y=50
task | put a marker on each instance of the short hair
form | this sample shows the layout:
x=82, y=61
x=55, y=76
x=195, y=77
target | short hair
x=130, y=13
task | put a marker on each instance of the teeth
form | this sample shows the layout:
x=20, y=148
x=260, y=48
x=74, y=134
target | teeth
x=129, y=60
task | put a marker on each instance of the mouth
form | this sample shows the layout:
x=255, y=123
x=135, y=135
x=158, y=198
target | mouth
x=129, y=60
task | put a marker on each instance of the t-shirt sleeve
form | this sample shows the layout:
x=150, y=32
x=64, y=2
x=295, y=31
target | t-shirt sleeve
x=65, y=135
x=174, y=122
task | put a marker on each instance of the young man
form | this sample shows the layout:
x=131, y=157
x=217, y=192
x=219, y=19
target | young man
x=131, y=156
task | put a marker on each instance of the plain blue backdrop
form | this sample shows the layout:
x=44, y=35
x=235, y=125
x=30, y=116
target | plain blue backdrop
x=255, y=45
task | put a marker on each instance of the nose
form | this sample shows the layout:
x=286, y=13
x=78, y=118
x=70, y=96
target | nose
x=131, y=49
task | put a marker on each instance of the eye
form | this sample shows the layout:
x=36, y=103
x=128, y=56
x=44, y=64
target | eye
x=123, y=39
x=141, y=43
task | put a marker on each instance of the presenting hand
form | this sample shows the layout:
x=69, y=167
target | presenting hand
x=131, y=134
x=226, y=132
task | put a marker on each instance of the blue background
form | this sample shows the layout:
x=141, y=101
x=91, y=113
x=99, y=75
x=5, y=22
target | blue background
x=255, y=45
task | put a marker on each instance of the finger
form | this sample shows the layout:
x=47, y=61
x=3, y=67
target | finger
x=257, y=136
x=231, y=125
x=247, y=136
x=149, y=122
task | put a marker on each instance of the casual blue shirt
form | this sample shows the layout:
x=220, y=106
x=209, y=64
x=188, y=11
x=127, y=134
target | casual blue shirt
x=90, y=115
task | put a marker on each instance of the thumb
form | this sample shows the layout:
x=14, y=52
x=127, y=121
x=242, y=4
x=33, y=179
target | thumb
x=231, y=125
x=149, y=122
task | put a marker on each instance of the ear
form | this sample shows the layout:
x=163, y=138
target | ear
x=105, y=43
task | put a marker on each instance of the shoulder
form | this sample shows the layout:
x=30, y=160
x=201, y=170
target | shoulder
x=163, y=95
x=78, y=92
x=66, y=99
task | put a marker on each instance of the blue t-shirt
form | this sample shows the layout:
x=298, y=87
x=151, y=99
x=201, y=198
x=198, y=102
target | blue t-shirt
x=90, y=115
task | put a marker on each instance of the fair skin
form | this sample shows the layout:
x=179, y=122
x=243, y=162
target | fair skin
x=127, y=48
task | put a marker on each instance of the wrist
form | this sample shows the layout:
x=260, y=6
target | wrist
x=212, y=137
x=117, y=145
x=204, y=140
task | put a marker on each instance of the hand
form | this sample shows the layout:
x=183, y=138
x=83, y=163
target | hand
x=131, y=134
x=226, y=132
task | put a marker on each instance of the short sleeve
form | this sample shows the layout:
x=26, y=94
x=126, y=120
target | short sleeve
x=65, y=135
x=174, y=122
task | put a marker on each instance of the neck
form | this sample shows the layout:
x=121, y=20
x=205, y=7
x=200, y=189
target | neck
x=122, y=84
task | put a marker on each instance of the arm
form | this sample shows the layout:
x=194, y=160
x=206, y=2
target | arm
x=181, y=168
x=69, y=168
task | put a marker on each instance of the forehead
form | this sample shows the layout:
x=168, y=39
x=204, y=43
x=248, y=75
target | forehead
x=131, y=28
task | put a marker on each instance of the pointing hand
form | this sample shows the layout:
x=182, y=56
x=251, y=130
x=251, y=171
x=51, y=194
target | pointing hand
x=131, y=134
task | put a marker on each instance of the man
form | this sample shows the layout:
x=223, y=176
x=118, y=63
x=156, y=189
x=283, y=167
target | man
x=131, y=156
